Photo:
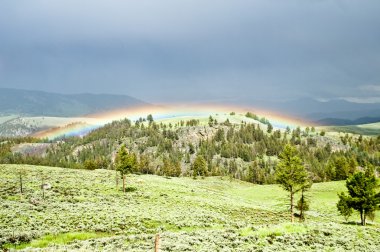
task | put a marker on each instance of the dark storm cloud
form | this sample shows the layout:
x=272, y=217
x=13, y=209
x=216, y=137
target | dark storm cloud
x=185, y=50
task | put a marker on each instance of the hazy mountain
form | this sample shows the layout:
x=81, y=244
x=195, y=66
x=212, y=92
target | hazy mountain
x=333, y=112
x=342, y=122
x=38, y=103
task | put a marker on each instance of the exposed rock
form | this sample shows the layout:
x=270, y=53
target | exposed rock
x=31, y=149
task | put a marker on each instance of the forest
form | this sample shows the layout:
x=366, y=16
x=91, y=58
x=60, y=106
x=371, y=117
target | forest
x=244, y=151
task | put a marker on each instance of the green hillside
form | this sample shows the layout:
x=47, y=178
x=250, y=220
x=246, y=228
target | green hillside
x=371, y=129
x=84, y=210
x=231, y=145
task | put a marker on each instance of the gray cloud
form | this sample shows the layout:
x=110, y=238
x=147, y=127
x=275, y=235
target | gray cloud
x=370, y=88
x=193, y=50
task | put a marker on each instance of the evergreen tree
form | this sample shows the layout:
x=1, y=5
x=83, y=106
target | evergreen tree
x=89, y=165
x=255, y=173
x=219, y=136
x=302, y=206
x=287, y=131
x=303, y=202
x=210, y=121
x=144, y=165
x=176, y=169
x=307, y=130
x=291, y=174
x=362, y=195
x=269, y=128
x=125, y=163
x=199, y=166
x=343, y=206
x=149, y=118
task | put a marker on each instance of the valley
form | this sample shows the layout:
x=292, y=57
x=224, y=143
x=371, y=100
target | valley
x=227, y=202
x=371, y=129
x=190, y=126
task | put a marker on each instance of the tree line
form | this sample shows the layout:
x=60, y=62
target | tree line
x=243, y=151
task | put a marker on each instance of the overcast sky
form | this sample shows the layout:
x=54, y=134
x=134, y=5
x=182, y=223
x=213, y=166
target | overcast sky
x=173, y=50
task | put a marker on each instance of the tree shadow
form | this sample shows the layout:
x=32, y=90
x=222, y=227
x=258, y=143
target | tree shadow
x=355, y=223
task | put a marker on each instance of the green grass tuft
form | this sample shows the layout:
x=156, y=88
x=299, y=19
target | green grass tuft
x=276, y=230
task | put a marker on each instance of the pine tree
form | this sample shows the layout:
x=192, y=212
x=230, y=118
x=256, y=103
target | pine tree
x=291, y=174
x=362, y=196
x=125, y=163
x=269, y=128
x=303, y=202
x=144, y=165
x=149, y=118
x=210, y=121
x=343, y=206
x=199, y=166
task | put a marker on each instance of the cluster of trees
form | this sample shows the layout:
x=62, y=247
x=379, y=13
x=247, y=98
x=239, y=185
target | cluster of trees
x=244, y=151
x=293, y=158
x=362, y=187
x=257, y=118
x=170, y=167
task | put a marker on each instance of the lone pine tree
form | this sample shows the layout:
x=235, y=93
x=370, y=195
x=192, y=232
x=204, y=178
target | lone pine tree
x=291, y=174
x=126, y=163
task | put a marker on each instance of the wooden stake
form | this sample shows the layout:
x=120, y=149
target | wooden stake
x=21, y=183
x=157, y=243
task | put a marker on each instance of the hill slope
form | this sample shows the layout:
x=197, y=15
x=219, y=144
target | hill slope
x=86, y=209
x=38, y=103
x=344, y=122
x=362, y=129
x=16, y=126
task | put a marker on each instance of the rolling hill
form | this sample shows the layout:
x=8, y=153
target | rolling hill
x=343, y=122
x=370, y=129
x=233, y=206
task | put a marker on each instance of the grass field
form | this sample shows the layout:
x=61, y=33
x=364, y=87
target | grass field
x=85, y=211
x=371, y=129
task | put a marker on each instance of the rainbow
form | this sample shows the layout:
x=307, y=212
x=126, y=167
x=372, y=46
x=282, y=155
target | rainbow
x=165, y=113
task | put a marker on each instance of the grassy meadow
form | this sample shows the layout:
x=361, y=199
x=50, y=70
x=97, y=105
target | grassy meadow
x=86, y=210
x=371, y=129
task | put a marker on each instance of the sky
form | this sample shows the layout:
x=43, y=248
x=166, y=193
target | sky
x=194, y=50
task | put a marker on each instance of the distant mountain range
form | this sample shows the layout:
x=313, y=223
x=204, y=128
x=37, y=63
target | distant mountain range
x=332, y=112
x=343, y=122
x=38, y=103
